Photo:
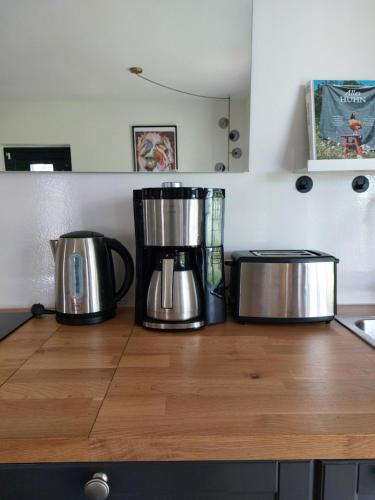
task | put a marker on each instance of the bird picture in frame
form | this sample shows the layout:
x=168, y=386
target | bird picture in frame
x=155, y=148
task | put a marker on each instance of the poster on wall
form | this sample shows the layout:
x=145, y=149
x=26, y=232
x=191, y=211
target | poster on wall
x=155, y=148
x=341, y=119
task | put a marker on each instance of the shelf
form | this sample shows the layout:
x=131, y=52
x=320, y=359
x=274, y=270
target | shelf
x=354, y=165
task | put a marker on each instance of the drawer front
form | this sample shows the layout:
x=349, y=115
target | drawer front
x=354, y=480
x=160, y=481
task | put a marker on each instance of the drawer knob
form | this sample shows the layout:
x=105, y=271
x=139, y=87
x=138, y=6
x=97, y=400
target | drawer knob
x=97, y=488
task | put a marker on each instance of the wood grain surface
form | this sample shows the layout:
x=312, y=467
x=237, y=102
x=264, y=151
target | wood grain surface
x=228, y=392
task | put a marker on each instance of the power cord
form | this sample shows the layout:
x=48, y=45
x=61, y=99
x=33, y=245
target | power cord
x=37, y=310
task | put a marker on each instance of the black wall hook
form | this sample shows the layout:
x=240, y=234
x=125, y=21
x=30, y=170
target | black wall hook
x=304, y=184
x=360, y=184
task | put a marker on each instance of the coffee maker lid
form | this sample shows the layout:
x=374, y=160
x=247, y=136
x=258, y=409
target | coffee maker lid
x=82, y=234
x=170, y=192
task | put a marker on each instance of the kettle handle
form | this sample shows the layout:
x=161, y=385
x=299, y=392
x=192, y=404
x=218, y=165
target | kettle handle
x=119, y=248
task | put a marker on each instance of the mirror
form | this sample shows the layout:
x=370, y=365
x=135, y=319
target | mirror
x=68, y=101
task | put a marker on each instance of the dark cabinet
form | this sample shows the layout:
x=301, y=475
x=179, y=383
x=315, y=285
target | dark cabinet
x=162, y=481
x=354, y=480
x=296, y=480
x=304, y=480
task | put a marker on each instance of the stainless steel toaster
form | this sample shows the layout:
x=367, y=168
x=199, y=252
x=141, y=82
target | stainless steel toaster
x=281, y=286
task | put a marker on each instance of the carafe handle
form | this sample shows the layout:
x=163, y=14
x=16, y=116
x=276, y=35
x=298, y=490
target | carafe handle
x=119, y=248
x=167, y=283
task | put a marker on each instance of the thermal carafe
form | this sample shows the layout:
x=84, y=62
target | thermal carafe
x=174, y=292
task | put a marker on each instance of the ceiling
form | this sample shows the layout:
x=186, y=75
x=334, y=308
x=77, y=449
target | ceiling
x=82, y=48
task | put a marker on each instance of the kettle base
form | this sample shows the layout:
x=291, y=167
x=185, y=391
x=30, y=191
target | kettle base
x=85, y=319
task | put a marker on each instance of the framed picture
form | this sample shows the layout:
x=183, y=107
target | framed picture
x=155, y=148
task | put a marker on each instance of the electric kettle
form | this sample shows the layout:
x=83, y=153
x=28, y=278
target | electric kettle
x=84, y=277
x=173, y=292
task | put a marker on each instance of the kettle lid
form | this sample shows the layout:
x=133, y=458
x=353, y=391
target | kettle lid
x=82, y=234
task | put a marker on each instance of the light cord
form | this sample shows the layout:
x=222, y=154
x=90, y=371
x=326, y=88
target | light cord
x=180, y=91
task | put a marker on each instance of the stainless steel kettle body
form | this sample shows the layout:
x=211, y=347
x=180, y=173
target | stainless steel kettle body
x=84, y=277
x=173, y=293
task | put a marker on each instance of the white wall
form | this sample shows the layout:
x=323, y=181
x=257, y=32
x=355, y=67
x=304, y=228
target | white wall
x=294, y=41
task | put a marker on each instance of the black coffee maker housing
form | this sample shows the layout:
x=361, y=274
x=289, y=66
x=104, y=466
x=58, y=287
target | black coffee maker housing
x=179, y=257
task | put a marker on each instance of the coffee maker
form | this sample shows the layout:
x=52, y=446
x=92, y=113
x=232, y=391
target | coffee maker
x=179, y=257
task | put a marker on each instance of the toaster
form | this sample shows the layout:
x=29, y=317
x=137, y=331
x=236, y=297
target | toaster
x=283, y=286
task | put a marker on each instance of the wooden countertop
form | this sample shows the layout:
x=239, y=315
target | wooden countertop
x=114, y=392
